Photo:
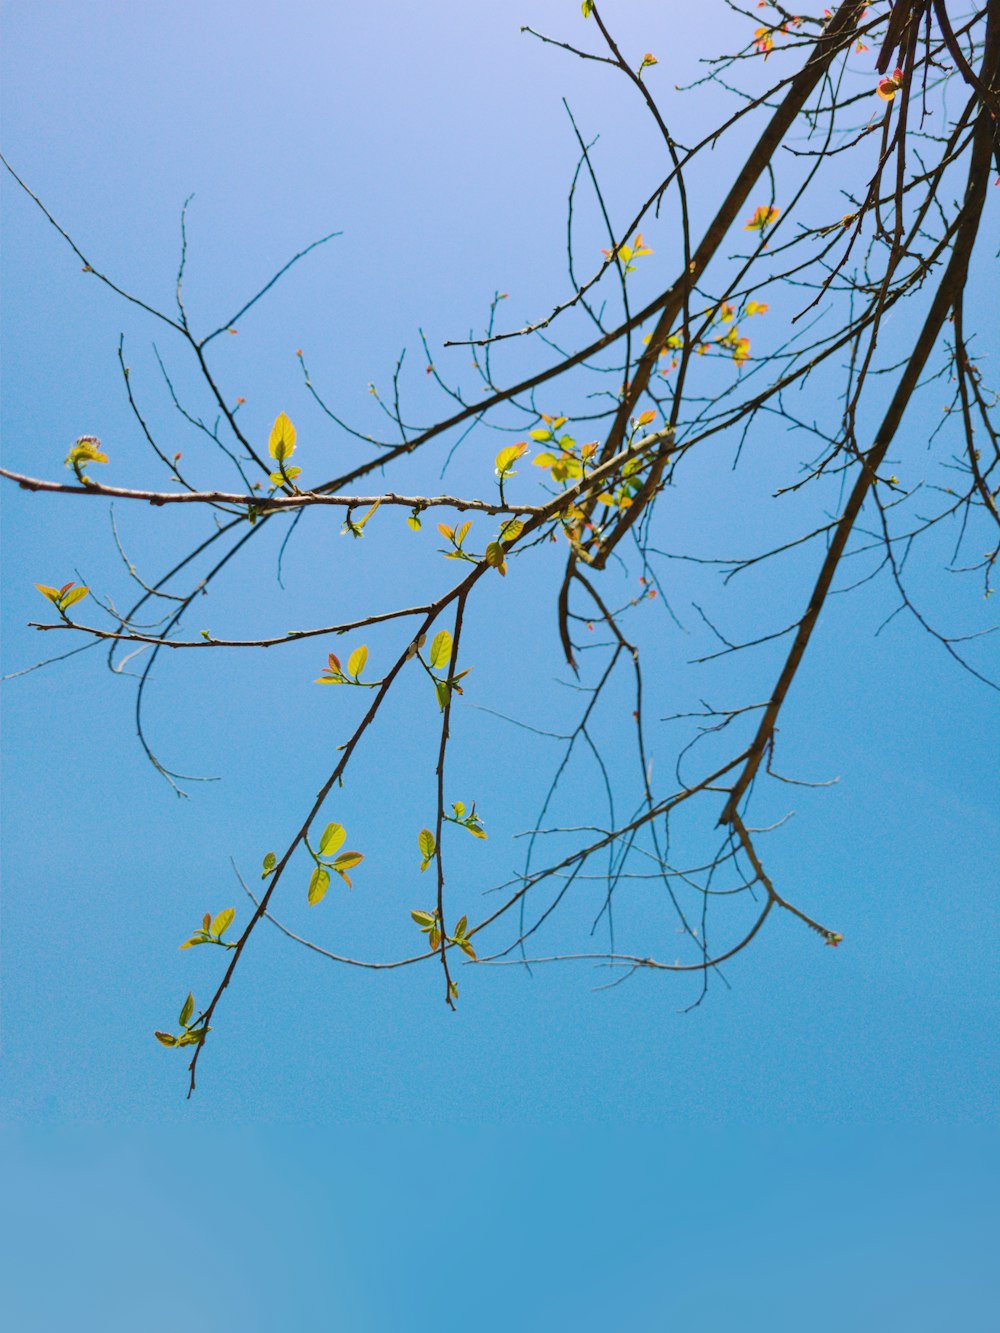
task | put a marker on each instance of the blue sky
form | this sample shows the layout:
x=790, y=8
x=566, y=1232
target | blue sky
x=598, y=1142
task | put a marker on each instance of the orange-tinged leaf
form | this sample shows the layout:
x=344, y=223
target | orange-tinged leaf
x=348, y=860
x=762, y=217
x=506, y=458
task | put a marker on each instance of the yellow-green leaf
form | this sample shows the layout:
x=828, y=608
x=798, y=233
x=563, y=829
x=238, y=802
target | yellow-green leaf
x=282, y=442
x=51, y=593
x=332, y=839
x=426, y=843
x=511, y=530
x=73, y=597
x=540, y=435
x=441, y=649
x=425, y=920
x=223, y=921
x=506, y=458
x=165, y=1038
x=356, y=661
x=495, y=556
x=187, y=1011
x=348, y=860
x=318, y=884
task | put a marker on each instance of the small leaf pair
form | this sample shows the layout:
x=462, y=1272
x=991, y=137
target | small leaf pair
x=63, y=598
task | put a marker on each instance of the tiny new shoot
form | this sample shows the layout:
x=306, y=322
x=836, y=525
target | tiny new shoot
x=193, y=1030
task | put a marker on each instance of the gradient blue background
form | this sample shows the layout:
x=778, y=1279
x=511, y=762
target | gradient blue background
x=806, y=1150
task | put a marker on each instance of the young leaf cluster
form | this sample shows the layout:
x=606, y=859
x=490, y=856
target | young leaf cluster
x=330, y=857
x=212, y=931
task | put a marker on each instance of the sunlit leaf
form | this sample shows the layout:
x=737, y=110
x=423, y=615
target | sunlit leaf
x=348, y=860
x=762, y=217
x=223, y=921
x=511, y=530
x=281, y=445
x=426, y=843
x=186, y=1011
x=441, y=649
x=165, y=1038
x=496, y=557
x=319, y=882
x=51, y=593
x=506, y=458
x=356, y=661
x=332, y=839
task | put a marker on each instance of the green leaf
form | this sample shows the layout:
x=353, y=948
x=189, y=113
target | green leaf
x=459, y=809
x=195, y=939
x=434, y=938
x=425, y=920
x=463, y=532
x=282, y=442
x=347, y=861
x=165, y=1038
x=477, y=831
x=443, y=694
x=460, y=926
x=270, y=861
x=586, y=8
x=466, y=947
x=414, y=522
x=541, y=436
x=223, y=921
x=318, y=884
x=427, y=844
x=187, y=1011
x=332, y=839
x=441, y=649
x=356, y=661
